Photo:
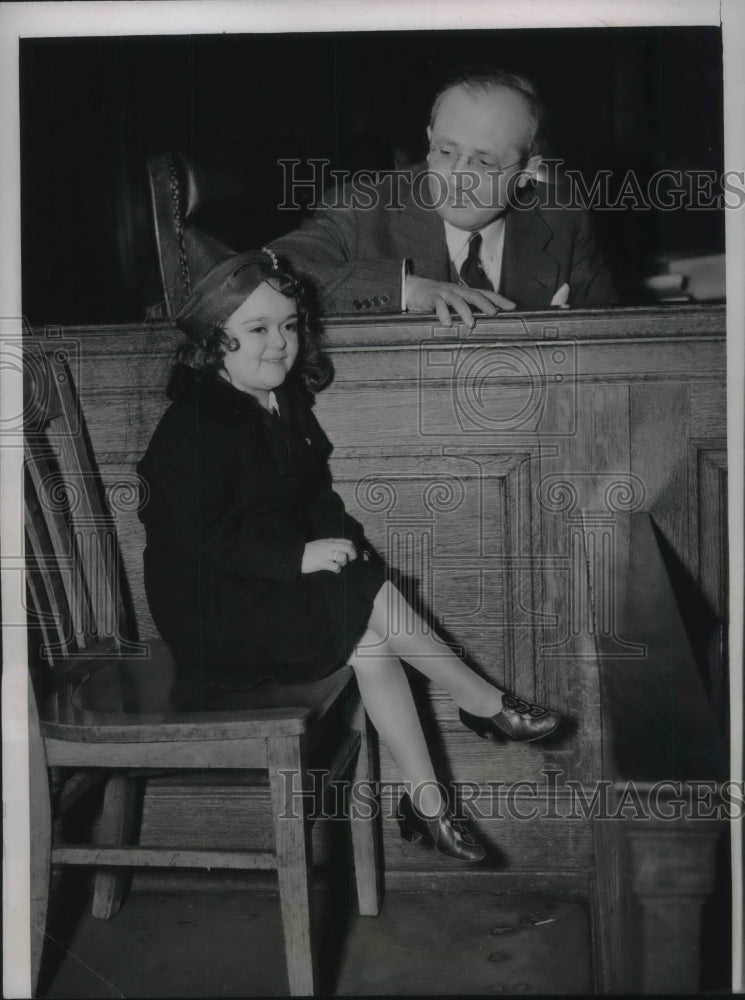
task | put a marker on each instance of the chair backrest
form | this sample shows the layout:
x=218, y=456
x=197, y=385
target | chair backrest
x=75, y=588
x=173, y=198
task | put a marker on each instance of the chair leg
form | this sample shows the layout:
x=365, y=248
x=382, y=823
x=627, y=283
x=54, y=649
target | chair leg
x=294, y=861
x=117, y=821
x=366, y=828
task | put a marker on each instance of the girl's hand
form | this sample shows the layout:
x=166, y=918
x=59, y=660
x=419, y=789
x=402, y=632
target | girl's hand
x=330, y=554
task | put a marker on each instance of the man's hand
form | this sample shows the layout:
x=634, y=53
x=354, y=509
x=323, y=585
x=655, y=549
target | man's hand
x=327, y=554
x=426, y=295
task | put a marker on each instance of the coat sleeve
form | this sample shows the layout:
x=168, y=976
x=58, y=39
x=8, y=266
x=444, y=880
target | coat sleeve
x=190, y=508
x=326, y=515
x=347, y=254
x=328, y=518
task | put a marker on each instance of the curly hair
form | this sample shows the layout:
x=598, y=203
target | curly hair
x=312, y=369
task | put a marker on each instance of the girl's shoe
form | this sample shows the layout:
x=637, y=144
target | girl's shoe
x=517, y=719
x=446, y=833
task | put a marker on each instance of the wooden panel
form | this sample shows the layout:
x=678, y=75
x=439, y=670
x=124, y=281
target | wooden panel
x=461, y=756
x=586, y=473
x=710, y=566
x=657, y=721
x=238, y=817
x=459, y=527
x=634, y=323
x=494, y=468
x=659, y=419
x=709, y=521
x=515, y=429
x=709, y=408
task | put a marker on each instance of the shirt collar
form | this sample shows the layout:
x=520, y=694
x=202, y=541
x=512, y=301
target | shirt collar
x=457, y=239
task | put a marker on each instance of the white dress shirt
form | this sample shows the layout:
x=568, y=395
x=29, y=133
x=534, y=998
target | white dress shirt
x=490, y=254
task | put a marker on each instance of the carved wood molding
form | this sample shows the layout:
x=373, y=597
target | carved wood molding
x=462, y=528
x=395, y=329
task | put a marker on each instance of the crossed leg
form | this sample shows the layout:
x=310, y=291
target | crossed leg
x=410, y=638
x=397, y=632
x=389, y=703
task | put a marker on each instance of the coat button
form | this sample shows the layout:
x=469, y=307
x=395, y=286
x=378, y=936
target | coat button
x=365, y=303
x=385, y=299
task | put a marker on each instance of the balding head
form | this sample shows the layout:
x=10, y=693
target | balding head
x=483, y=137
x=483, y=81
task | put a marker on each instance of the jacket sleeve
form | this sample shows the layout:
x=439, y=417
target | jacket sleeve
x=326, y=515
x=343, y=250
x=328, y=518
x=190, y=508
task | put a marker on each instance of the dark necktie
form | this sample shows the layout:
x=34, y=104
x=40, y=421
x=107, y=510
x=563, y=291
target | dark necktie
x=472, y=273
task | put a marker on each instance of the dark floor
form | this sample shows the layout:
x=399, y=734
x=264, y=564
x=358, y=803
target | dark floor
x=229, y=943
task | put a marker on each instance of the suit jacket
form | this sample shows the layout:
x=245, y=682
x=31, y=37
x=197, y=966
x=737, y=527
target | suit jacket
x=354, y=252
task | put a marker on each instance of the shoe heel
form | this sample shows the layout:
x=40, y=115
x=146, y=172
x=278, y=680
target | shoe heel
x=408, y=833
x=486, y=733
x=480, y=727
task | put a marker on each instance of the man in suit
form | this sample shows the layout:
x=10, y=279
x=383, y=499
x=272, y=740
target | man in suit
x=464, y=231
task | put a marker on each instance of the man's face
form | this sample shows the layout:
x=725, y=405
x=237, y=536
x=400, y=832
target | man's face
x=477, y=147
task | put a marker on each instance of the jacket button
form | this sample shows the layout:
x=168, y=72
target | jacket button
x=365, y=303
x=385, y=299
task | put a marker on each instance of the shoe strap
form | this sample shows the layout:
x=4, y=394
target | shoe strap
x=462, y=830
x=523, y=707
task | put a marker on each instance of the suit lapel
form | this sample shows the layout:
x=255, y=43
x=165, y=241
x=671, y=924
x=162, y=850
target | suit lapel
x=529, y=271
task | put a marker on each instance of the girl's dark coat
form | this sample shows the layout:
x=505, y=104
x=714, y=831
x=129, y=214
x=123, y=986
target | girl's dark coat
x=232, y=494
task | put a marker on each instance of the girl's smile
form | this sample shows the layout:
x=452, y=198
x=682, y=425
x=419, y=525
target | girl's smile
x=265, y=330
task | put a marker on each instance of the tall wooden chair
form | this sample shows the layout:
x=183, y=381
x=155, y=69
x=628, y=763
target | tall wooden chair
x=105, y=701
x=173, y=197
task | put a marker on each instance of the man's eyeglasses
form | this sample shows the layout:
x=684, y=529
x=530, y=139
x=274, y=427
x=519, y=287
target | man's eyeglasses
x=450, y=157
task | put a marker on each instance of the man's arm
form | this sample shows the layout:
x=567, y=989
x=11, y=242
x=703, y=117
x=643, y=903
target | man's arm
x=329, y=249
x=326, y=249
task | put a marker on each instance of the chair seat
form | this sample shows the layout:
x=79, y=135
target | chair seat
x=109, y=698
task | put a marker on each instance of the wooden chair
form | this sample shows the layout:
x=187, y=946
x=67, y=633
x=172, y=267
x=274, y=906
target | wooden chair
x=105, y=701
x=172, y=196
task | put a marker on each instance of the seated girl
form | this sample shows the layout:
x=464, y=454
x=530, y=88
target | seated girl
x=253, y=567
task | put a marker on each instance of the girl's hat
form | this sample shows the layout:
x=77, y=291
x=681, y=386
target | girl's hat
x=224, y=280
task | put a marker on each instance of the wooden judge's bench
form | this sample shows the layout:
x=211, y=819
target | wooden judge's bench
x=552, y=487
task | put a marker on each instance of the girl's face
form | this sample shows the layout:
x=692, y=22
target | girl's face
x=265, y=326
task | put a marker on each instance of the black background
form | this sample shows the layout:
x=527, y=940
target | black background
x=92, y=110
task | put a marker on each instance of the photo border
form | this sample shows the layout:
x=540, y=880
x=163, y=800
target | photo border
x=29, y=20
